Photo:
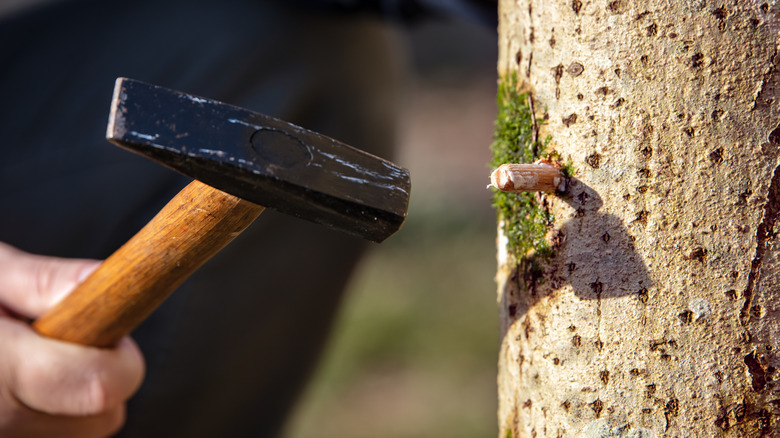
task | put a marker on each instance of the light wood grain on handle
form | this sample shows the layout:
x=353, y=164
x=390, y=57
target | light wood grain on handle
x=133, y=281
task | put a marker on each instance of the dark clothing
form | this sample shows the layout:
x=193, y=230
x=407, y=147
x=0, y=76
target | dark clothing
x=230, y=351
x=406, y=11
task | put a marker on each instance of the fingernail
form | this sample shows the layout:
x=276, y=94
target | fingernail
x=82, y=275
x=86, y=271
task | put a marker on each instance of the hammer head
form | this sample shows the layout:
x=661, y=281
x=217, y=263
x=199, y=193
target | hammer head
x=261, y=159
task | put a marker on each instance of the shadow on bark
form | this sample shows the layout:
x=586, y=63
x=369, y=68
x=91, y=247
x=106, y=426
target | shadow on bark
x=600, y=258
x=593, y=252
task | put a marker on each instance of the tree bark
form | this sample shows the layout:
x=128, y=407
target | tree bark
x=658, y=313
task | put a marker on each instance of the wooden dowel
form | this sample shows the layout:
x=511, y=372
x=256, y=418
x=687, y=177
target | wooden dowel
x=537, y=177
x=198, y=222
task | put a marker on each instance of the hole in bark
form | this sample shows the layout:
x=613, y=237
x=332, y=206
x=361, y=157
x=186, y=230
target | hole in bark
x=615, y=6
x=756, y=371
x=672, y=407
x=576, y=5
x=597, y=407
x=618, y=103
x=697, y=254
x=720, y=13
x=594, y=160
x=697, y=60
x=716, y=156
x=743, y=197
x=686, y=316
x=558, y=73
x=642, y=217
x=570, y=120
x=652, y=30
x=557, y=240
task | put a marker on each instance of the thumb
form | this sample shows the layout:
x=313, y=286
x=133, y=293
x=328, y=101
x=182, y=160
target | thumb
x=30, y=284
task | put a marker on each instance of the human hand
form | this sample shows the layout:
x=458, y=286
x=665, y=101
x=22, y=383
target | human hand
x=50, y=388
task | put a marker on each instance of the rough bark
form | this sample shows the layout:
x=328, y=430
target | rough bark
x=659, y=312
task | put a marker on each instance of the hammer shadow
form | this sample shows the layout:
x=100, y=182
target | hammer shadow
x=589, y=240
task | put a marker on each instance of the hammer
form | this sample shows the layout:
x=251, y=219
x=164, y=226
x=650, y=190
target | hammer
x=240, y=161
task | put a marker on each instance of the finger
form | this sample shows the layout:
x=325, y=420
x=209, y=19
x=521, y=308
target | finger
x=19, y=421
x=30, y=284
x=60, y=378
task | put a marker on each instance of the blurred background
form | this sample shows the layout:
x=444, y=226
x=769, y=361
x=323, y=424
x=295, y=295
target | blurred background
x=415, y=348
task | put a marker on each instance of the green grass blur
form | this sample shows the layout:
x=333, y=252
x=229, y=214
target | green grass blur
x=414, y=353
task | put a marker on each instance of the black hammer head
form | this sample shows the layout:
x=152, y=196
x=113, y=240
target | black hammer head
x=261, y=159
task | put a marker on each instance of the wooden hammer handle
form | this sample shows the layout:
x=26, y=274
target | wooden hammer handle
x=198, y=222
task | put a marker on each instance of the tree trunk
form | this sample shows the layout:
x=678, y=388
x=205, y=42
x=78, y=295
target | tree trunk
x=654, y=309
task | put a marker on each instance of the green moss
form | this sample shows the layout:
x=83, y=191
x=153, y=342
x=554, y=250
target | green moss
x=525, y=222
x=568, y=169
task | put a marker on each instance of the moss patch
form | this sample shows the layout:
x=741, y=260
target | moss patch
x=525, y=222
